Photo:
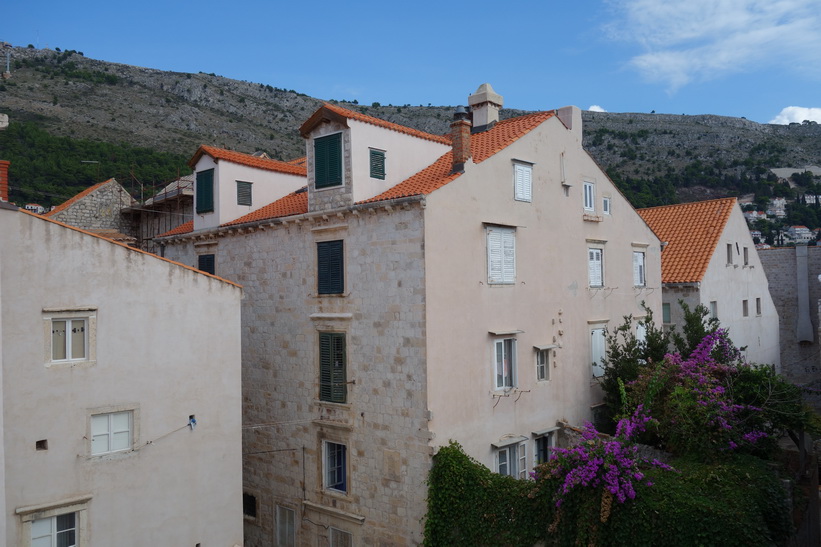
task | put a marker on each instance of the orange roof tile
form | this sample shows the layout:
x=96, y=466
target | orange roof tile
x=184, y=228
x=339, y=112
x=692, y=232
x=248, y=160
x=294, y=203
x=299, y=161
x=482, y=146
x=71, y=201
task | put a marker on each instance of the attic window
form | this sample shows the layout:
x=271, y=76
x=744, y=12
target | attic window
x=328, y=161
x=243, y=192
x=377, y=162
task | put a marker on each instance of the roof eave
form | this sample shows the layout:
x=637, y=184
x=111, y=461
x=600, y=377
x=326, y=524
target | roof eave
x=322, y=114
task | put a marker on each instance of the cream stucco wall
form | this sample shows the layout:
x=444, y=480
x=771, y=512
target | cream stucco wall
x=267, y=187
x=730, y=285
x=550, y=301
x=164, y=343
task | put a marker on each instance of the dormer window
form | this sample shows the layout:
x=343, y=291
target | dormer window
x=328, y=161
x=377, y=164
x=205, y=191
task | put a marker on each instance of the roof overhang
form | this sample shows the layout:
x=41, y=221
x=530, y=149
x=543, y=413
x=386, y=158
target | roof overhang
x=322, y=114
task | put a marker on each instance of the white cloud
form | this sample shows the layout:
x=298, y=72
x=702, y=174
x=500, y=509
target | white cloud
x=698, y=40
x=797, y=114
x=596, y=108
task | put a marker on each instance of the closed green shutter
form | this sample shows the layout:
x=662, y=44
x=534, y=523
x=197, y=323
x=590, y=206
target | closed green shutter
x=328, y=160
x=205, y=191
x=378, y=164
x=243, y=193
x=330, y=267
x=332, y=367
x=206, y=263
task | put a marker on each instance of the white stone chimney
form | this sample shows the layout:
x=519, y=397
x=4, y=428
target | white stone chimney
x=485, y=105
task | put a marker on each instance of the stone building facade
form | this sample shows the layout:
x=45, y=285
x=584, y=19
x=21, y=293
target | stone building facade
x=97, y=208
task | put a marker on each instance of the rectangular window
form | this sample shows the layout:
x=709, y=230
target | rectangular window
x=543, y=364
x=543, y=445
x=111, y=432
x=377, y=164
x=745, y=308
x=638, y=269
x=206, y=263
x=56, y=531
x=641, y=331
x=205, y=191
x=330, y=267
x=501, y=255
x=332, y=367
x=606, y=205
x=589, y=197
x=336, y=477
x=340, y=538
x=69, y=339
x=729, y=253
x=595, y=267
x=286, y=527
x=597, y=351
x=713, y=309
x=249, y=505
x=746, y=256
x=665, y=314
x=328, y=161
x=511, y=460
x=758, y=306
x=244, y=192
x=522, y=181
x=504, y=363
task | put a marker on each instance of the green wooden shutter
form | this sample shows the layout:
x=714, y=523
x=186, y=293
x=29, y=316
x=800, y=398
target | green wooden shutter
x=330, y=267
x=332, y=367
x=378, y=164
x=243, y=192
x=205, y=191
x=328, y=160
x=206, y=263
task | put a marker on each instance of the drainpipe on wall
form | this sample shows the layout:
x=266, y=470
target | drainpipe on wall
x=803, y=328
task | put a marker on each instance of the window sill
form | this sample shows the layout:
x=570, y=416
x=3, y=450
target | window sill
x=71, y=364
x=591, y=217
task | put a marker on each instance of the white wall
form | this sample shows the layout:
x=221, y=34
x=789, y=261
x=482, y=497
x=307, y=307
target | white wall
x=167, y=343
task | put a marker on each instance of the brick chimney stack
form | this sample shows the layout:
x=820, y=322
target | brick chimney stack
x=4, y=180
x=460, y=136
x=485, y=105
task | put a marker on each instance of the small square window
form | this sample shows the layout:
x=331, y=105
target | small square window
x=504, y=363
x=377, y=162
x=244, y=195
x=111, y=432
x=207, y=263
x=69, y=339
x=41, y=444
x=523, y=181
x=330, y=267
x=335, y=466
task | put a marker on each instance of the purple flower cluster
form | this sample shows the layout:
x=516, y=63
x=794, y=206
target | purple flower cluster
x=611, y=463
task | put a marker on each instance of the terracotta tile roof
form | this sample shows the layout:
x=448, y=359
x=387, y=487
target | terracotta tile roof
x=184, y=228
x=299, y=161
x=71, y=201
x=248, y=160
x=482, y=146
x=339, y=112
x=294, y=203
x=692, y=232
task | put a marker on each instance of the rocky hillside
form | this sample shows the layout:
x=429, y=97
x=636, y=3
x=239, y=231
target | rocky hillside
x=664, y=157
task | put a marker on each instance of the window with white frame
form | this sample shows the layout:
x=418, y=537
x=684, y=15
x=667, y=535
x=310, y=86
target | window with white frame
x=111, y=432
x=713, y=309
x=589, y=197
x=544, y=445
x=595, y=267
x=523, y=181
x=286, y=526
x=56, y=531
x=340, y=538
x=504, y=362
x=511, y=460
x=639, y=279
x=543, y=363
x=606, y=205
x=70, y=336
x=597, y=350
x=666, y=316
x=501, y=255
x=641, y=331
x=335, y=466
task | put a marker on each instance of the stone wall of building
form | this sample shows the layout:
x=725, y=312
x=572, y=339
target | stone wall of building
x=384, y=423
x=800, y=362
x=100, y=209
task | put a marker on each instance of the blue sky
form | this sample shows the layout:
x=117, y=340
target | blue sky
x=760, y=59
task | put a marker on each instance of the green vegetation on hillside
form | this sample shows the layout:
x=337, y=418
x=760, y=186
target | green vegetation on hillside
x=48, y=170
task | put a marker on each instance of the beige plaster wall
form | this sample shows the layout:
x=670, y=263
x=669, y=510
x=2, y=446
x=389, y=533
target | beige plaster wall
x=166, y=345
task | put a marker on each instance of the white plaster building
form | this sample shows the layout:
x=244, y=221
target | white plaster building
x=419, y=289
x=120, y=382
x=709, y=258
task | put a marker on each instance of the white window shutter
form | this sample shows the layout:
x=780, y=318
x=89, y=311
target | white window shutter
x=594, y=265
x=523, y=175
x=494, y=255
x=597, y=351
x=509, y=256
x=522, y=454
